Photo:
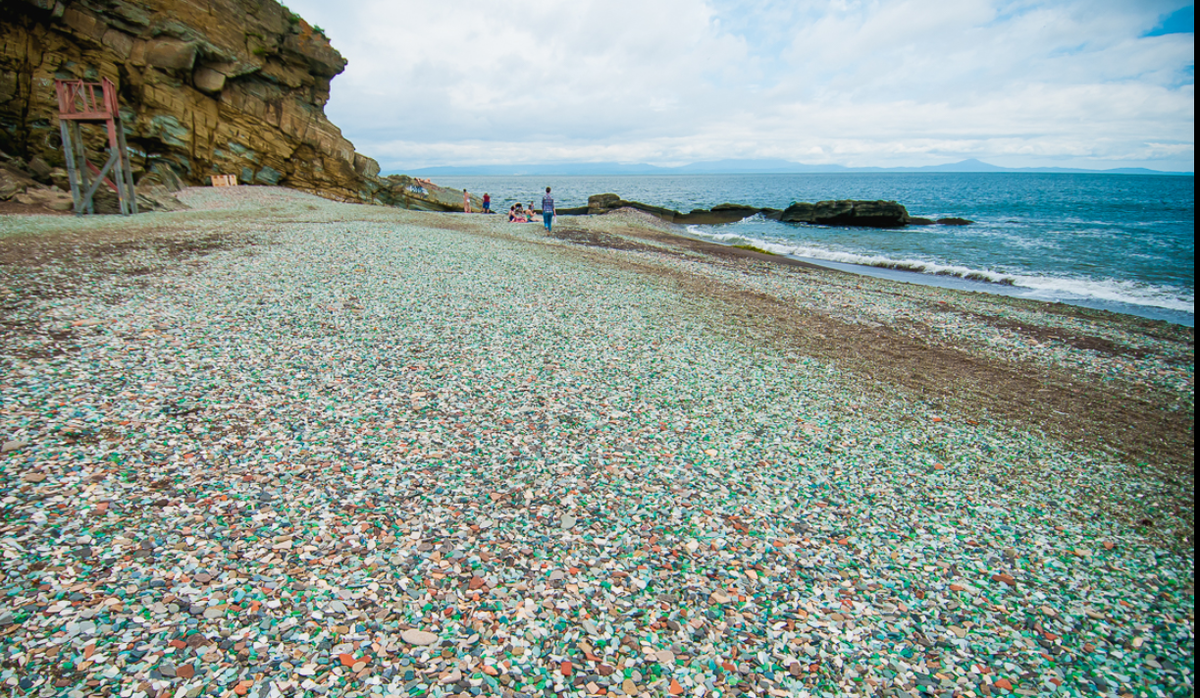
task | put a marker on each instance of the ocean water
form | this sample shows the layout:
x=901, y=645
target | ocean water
x=1117, y=242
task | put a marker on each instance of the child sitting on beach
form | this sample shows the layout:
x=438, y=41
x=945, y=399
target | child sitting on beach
x=516, y=214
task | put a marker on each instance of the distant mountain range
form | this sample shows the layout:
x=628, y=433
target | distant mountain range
x=744, y=167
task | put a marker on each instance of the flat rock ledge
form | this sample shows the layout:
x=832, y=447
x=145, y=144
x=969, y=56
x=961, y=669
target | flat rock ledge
x=846, y=212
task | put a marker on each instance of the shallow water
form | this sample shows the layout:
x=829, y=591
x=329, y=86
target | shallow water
x=1116, y=242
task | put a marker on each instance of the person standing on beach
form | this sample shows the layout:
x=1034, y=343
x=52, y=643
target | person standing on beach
x=548, y=209
x=466, y=201
x=487, y=202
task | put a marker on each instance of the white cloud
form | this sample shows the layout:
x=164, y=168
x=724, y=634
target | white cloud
x=878, y=82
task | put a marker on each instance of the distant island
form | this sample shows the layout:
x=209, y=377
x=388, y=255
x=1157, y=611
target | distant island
x=746, y=167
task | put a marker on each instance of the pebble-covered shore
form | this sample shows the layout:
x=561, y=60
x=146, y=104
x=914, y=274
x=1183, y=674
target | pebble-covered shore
x=282, y=446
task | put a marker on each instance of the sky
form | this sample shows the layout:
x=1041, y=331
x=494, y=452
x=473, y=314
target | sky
x=1089, y=83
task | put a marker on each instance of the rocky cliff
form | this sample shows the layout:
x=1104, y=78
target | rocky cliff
x=209, y=87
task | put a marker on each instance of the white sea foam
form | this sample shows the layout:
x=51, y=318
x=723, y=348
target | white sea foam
x=1114, y=291
x=1049, y=288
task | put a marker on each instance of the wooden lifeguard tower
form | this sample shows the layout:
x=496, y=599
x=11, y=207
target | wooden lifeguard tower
x=82, y=102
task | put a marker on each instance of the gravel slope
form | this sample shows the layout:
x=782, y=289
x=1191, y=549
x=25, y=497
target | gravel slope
x=280, y=445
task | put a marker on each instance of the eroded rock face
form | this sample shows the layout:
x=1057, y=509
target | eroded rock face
x=867, y=214
x=599, y=204
x=419, y=194
x=603, y=203
x=219, y=87
x=38, y=185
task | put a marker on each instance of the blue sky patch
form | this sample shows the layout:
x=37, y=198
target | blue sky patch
x=1181, y=21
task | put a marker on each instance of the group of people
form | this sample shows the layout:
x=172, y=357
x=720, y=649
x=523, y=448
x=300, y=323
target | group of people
x=517, y=213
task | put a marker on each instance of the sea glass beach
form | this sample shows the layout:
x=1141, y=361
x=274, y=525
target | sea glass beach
x=279, y=444
x=611, y=349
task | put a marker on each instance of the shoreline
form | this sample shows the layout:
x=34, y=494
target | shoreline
x=1044, y=250
x=952, y=283
x=1034, y=324
x=1011, y=290
x=359, y=450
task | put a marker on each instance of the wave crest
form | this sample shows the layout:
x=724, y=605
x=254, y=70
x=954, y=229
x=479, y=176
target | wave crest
x=1051, y=288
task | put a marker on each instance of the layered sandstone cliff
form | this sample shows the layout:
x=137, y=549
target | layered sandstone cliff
x=210, y=87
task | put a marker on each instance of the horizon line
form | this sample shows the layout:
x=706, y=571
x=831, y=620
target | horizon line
x=1062, y=170
x=772, y=166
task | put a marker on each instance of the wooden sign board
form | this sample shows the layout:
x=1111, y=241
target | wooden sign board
x=224, y=180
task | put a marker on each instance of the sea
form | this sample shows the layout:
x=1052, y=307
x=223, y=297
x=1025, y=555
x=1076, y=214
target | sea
x=1124, y=243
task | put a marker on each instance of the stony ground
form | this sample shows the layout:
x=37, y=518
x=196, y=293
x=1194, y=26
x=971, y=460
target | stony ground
x=276, y=445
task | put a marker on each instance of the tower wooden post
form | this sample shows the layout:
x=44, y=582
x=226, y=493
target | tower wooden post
x=82, y=102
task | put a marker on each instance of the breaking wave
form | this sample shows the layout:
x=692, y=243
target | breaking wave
x=1035, y=286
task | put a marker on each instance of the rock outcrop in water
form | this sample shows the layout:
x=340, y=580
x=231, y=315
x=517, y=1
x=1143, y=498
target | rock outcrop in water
x=220, y=87
x=863, y=214
x=866, y=214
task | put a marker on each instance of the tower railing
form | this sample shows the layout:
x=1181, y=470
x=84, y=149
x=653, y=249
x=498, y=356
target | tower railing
x=82, y=102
